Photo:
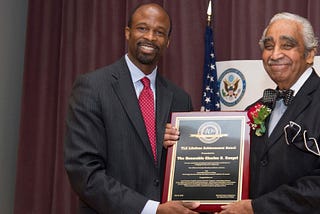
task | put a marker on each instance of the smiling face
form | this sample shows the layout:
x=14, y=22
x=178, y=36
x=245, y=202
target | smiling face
x=283, y=54
x=148, y=36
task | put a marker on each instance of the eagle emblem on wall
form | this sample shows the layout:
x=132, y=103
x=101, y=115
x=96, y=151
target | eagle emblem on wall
x=232, y=86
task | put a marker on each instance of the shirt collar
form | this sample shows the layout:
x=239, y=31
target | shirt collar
x=137, y=74
x=303, y=78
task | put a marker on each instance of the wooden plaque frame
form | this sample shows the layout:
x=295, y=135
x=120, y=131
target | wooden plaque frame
x=210, y=162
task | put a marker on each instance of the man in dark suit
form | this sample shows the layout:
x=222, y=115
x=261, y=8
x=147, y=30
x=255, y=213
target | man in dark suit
x=108, y=157
x=285, y=157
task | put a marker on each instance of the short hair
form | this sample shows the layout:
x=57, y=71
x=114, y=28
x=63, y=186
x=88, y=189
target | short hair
x=310, y=41
x=143, y=4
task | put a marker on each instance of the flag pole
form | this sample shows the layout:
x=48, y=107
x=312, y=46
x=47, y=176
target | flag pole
x=209, y=13
x=210, y=100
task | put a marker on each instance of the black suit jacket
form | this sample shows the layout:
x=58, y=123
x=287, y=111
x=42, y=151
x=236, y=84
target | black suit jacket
x=286, y=178
x=108, y=156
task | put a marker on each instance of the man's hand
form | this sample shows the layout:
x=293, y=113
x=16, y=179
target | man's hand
x=171, y=136
x=178, y=207
x=240, y=207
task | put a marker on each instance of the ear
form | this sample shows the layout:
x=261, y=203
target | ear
x=310, y=56
x=168, y=42
x=127, y=33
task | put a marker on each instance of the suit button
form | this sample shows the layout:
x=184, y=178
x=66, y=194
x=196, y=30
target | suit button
x=264, y=162
x=156, y=182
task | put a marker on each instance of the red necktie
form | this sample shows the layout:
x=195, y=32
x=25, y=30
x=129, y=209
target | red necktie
x=146, y=102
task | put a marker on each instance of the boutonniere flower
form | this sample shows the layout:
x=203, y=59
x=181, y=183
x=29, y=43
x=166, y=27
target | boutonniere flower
x=257, y=115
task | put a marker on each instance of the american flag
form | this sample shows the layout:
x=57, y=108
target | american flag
x=210, y=90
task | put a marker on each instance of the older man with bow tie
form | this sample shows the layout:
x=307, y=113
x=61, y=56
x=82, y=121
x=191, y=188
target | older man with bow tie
x=285, y=157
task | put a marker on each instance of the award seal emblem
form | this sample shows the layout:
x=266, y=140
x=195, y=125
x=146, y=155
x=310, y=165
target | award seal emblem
x=209, y=132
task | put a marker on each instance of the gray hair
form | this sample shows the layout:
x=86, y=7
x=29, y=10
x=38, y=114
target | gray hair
x=310, y=41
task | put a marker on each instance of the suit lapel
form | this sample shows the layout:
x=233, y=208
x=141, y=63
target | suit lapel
x=299, y=104
x=163, y=105
x=125, y=91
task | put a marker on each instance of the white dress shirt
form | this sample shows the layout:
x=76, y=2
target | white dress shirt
x=280, y=107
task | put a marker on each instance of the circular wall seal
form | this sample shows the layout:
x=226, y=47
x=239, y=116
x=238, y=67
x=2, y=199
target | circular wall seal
x=232, y=86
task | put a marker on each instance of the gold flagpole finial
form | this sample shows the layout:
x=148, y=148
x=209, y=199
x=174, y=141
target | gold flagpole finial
x=209, y=13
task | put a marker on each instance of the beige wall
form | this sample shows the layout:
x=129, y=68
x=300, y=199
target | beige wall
x=12, y=42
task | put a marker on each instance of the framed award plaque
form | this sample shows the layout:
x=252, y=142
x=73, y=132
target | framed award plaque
x=210, y=162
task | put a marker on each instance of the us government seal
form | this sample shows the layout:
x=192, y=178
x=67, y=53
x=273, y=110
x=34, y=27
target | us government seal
x=232, y=86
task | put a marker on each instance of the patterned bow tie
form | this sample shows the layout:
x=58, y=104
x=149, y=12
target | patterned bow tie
x=270, y=96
